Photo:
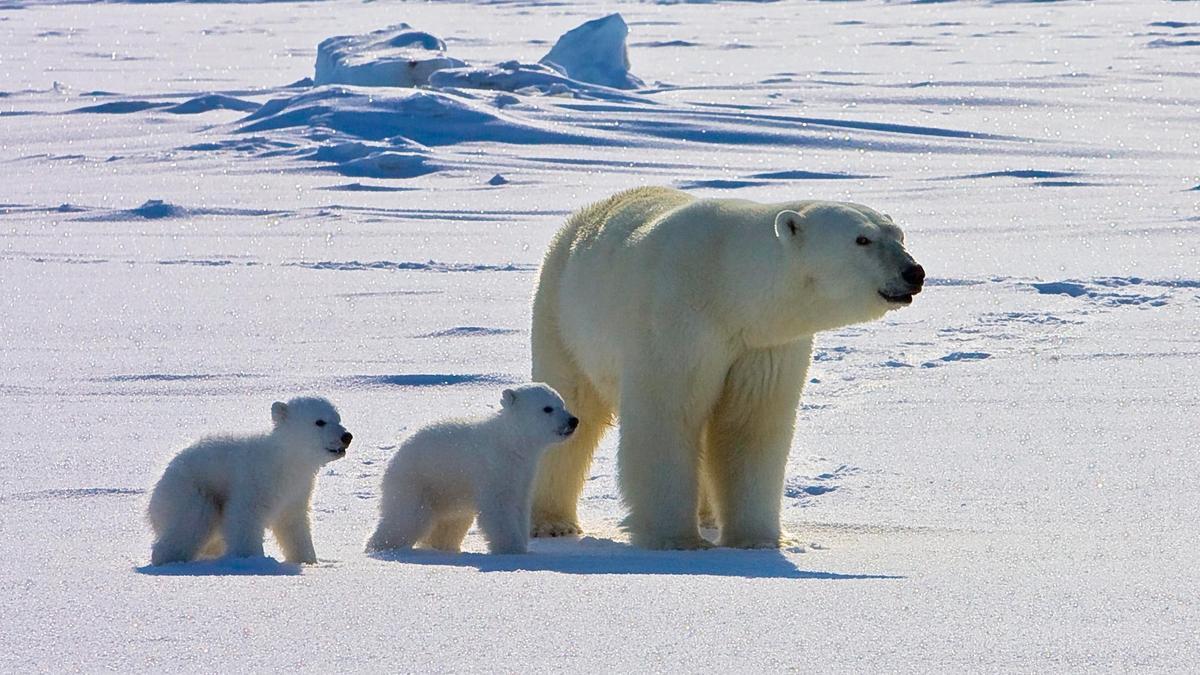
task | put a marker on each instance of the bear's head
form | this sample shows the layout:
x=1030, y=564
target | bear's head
x=540, y=412
x=311, y=426
x=851, y=258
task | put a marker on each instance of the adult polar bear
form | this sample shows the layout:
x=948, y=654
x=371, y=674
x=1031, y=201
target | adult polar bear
x=696, y=317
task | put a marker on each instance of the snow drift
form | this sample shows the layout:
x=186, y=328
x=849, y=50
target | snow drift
x=396, y=56
x=403, y=116
x=523, y=78
x=400, y=56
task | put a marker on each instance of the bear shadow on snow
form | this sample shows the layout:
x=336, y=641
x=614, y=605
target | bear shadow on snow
x=590, y=555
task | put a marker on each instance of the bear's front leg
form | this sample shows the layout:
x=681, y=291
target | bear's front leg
x=505, y=524
x=658, y=456
x=749, y=437
x=293, y=531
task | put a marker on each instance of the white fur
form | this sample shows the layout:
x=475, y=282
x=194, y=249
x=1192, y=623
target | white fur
x=696, y=317
x=220, y=494
x=445, y=474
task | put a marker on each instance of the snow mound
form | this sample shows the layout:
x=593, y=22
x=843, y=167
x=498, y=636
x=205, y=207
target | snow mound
x=430, y=118
x=389, y=164
x=155, y=209
x=595, y=52
x=209, y=102
x=524, y=78
x=396, y=56
x=121, y=107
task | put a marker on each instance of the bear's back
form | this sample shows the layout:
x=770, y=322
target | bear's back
x=213, y=462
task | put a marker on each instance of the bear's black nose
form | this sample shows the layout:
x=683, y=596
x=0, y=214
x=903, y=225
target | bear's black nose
x=914, y=275
x=573, y=422
x=347, y=437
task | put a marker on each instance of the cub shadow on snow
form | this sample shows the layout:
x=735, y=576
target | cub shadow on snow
x=590, y=555
x=220, y=567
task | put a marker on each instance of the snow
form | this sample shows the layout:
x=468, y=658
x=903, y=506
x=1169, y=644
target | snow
x=595, y=52
x=1000, y=477
x=587, y=62
x=525, y=78
x=397, y=56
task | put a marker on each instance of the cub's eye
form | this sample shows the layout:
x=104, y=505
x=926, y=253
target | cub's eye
x=862, y=241
x=547, y=410
x=320, y=423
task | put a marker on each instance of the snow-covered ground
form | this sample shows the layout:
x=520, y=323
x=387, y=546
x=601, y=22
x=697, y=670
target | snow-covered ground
x=1002, y=477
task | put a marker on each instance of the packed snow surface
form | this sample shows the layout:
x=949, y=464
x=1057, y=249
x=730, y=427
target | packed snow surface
x=195, y=223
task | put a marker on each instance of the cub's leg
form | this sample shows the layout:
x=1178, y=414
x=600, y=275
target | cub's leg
x=183, y=521
x=404, y=519
x=293, y=531
x=448, y=532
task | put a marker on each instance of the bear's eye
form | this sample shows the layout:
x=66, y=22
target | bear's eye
x=547, y=410
x=862, y=241
x=320, y=423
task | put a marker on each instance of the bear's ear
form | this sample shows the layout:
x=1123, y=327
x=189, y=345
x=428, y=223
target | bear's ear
x=508, y=398
x=788, y=225
x=279, y=412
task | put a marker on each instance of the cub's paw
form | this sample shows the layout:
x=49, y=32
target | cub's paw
x=555, y=527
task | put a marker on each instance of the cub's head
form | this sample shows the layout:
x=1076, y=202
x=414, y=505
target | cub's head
x=852, y=257
x=312, y=426
x=540, y=411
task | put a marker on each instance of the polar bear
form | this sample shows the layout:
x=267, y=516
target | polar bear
x=696, y=318
x=219, y=495
x=445, y=474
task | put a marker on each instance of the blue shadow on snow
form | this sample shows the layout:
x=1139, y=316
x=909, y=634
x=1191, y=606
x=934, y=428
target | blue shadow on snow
x=221, y=567
x=590, y=555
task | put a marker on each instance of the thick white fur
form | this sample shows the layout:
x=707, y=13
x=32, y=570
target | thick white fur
x=696, y=317
x=220, y=494
x=445, y=474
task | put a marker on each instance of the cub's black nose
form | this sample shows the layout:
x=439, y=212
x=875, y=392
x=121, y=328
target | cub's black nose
x=347, y=437
x=573, y=422
x=914, y=275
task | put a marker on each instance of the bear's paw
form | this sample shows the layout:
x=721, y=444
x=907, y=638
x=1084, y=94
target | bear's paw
x=555, y=527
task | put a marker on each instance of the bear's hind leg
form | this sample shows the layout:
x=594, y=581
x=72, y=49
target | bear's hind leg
x=214, y=547
x=404, y=519
x=564, y=467
x=182, y=527
x=448, y=532
x=707, y=515
x=748, y=440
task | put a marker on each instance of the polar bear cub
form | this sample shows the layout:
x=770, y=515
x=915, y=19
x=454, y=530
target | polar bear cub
x=447, y=473
x=220, y=494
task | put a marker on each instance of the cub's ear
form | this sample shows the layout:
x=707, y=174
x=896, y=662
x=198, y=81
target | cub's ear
x=508, y=398
x=789, y=225
x=279, y=412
